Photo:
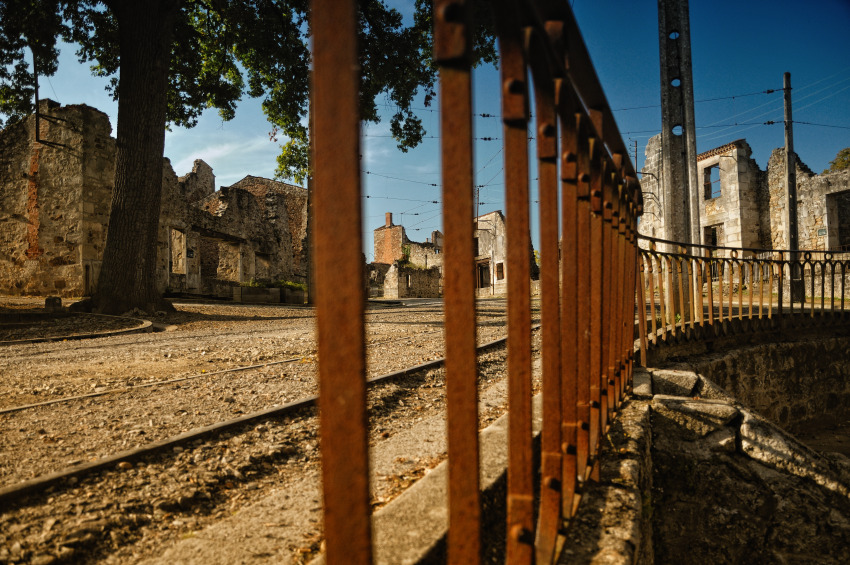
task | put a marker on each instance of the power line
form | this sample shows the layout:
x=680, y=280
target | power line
x=397, y=198
x=401, y=179
x=732, y=97
x=821, y=125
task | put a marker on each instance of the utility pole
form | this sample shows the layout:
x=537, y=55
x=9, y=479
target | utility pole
x=791, y=231
x=679, y=190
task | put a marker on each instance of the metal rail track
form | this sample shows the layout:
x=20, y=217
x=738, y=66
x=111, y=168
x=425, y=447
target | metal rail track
x=13, y=493
x=181, y=379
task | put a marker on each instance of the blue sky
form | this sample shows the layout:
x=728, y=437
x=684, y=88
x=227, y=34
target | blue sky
x=740, y=48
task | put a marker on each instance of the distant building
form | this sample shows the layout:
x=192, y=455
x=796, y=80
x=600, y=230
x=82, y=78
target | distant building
x=742, y=206
x=405, y=268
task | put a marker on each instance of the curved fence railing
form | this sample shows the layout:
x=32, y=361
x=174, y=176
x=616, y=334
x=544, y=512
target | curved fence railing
x=589, y=203
x=685, y=288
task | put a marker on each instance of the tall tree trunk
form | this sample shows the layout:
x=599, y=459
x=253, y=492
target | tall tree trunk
x=128, y=274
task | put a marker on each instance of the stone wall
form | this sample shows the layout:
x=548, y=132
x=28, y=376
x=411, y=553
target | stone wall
x=54, y=201
x=403, y=280
x=492, y=254
x=749, y=210
x=55, y=198
x=651, y=223
x=730, y=205
x=283, y=204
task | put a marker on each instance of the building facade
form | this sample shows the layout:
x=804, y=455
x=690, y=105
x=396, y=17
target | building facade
x=741, y=205
x=55, y=198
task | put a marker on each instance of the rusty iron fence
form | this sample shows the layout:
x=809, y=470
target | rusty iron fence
x=692, y=291
x=590, y=200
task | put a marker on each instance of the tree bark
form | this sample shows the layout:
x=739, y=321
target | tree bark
x=128, y=273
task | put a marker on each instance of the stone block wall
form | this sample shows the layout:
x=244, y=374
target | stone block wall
x=55, y=200
x=651, y=223
x=750, y=208
x=492, y=256
x=403, y=280
x=731, y=206
x=285, y=207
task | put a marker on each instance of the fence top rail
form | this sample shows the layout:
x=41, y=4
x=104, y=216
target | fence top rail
x=756, y=250
x=566, y=47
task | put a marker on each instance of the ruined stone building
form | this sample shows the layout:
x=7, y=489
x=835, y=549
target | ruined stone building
x=406, y=268
x=55, y=197
x=743, y=206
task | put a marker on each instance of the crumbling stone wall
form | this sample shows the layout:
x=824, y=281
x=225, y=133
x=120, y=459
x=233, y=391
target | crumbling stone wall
x=55, y=198
x=731, y=207
x=750, y=210
x=286, y=205
x=403, y=280
x=652, y=220
x=492, y=254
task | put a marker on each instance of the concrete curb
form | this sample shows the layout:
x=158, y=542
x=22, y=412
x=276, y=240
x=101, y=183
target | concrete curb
x=144, y=327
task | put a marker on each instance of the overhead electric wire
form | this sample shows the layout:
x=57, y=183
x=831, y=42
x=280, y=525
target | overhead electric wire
x=821, y=125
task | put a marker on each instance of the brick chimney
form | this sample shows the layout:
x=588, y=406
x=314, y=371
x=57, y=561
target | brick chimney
x=389, y=216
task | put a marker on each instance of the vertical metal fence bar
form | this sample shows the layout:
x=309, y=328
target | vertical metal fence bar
x=595, y=265
x=452, y=51
x=761, y=288
x=520, y=508
x=812, y=278
x=740, y=265
x=547, y=168
x=700, y=266
x=622, y=274
x=680, y=276
x=569, y=297
x=779, y=291
x=605, y=290
x=628, y=338
x=640, y=300
x=731, y=272
x=339, y=289
x=661, y=302
x=649, y=261
x=750, y=289
x=583, y=291
x=670, y=321
x=710, y=291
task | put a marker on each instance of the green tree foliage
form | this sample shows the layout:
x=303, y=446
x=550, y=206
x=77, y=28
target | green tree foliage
x=169, y=60
x=841, y=161
x=223, y=50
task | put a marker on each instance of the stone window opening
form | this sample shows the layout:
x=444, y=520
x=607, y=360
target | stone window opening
x=500, y=271
x=711, y=182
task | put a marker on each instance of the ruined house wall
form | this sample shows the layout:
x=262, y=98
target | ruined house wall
x=52, y=209
x=284, y=206
x=492, y=254
x=425, y=255
x=55, y=200
x=403, y=280
x=730, y=203
x=651, y=222
x=823, y=205
x=388, y=243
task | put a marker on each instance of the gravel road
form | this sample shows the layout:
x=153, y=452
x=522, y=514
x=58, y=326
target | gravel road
x=137, y=511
